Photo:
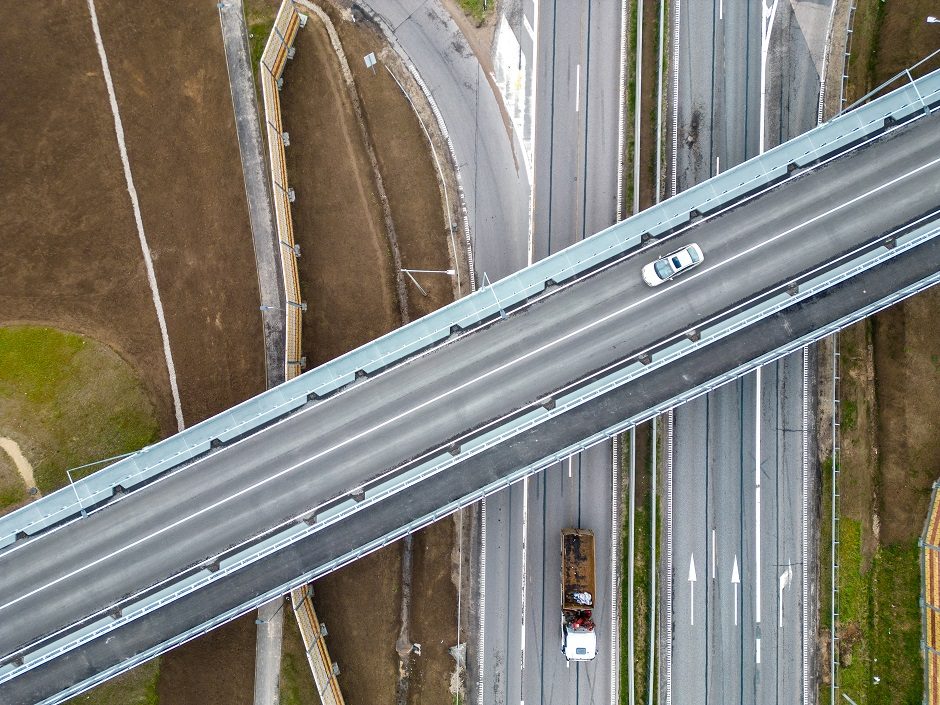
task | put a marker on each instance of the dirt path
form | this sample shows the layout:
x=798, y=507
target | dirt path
x=12, y=448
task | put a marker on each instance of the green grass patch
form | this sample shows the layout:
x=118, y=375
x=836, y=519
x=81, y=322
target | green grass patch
x=642, y=566
x=849, y=414
x=136, y=687
x=258, y=33
x=68, y=400
x=296, y=684
x=477, y=9
x=259, y=19
x=825, y=572
x=879, y=623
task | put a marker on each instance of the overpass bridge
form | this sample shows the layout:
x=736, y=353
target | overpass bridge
x=200, y=528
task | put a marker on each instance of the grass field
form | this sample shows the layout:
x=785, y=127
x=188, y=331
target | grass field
x=137, y=687
x=890, y=459
x=67, y=400
x=890, y=433
x=296, y=686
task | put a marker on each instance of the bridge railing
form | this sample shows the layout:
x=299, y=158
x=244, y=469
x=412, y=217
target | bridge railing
x=625, y=238
x=276, y=52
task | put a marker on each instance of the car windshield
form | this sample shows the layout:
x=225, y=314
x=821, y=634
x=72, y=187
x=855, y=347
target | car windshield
x=662, y=269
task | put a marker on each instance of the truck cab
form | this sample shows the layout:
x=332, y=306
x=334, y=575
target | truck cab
x=579, y=643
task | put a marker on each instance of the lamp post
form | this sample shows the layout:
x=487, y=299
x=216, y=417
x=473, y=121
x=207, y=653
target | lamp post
x=412, y=272
x=488, y=284
x=75, y=490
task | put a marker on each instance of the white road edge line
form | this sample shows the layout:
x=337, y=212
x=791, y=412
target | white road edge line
x=138, y=219
x=667, y=588
x=637, y=111
x=534, y=34
x=675, y=103
x=757, y=420
x=482, y=617
x=804, y=577
x=615, y=596
x=522, y=570
x=621, y=116
x=631, y=530
x=577, y=90
x=714, y=548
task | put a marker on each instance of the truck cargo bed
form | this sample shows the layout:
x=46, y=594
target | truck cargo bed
x=577, y=567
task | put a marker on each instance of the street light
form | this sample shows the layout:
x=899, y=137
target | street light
x=412, y=272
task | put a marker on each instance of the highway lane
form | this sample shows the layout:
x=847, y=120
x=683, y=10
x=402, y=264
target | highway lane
x=575, y=166
x=149, y=634
x=489, y=154
x=562, y=496
x=723, y=424
x=419, y=405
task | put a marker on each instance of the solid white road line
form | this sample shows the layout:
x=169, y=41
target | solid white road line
x=138, y=219
x=577, y=90
x=673, y=181
x=631, y=530
x=622, y=87
x=534, y=35
x=522, y=569
x=713, y=553
x=638, y=75
x=757, y=498
x=482, y=617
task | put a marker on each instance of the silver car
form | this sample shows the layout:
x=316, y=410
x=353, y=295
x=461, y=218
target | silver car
x=673, y=264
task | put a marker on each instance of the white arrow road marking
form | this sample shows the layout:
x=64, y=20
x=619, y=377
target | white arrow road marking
x=785, y=578
x=735, y=580
x=692, y=590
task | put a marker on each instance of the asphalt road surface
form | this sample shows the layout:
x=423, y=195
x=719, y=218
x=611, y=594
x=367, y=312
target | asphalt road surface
x=575, y=166
x=489, y=154
x=738, y=631
x=333, y=446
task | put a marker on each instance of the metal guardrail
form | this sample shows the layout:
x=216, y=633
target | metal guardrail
x=834, y=521
x=276, y=52
x=929, y=544
x=703, y=200
x=313, y=632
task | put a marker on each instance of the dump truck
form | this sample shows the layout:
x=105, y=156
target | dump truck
x=578, y=638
